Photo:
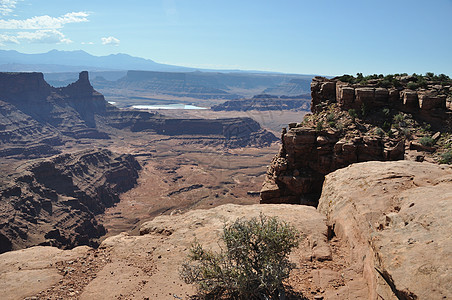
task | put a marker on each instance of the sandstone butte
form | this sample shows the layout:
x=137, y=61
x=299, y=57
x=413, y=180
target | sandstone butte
x=392, y=241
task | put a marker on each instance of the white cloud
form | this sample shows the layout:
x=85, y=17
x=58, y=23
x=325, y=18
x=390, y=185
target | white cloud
x=45, y=22
x=38, y=29
x=87, y=43
x=51, y=36
x=7, y=6
x=44, y=36
x=4, y=38
x=110, y=41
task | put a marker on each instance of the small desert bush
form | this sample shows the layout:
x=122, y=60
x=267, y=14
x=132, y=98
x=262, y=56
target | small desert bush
x=353, y=114
x=319, y=126
x=406, y=133
x=427, y=141
x=252, y=265
x=379, y=132
x=364, y=110
x=412, y=85
x=446, y=157
x=399, y=118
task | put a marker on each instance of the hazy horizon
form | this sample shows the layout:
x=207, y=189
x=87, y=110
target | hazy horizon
x=300, y=37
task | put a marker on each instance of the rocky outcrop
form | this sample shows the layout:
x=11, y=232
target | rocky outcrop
x=394, y=216
x=265, y=103
x=429, y=105
x=35, y=117
x=345, y=128
x=55, y=201
x=296, y=174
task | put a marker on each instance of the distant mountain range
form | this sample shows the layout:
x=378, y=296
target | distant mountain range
x=124, y=75
x=75, y=61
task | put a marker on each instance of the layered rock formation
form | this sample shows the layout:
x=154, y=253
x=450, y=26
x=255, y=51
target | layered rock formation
x=264, y=103
x=334, y=137
x=296, y=174
x=55, y=201
x=428, y=104
x=35, y=118
x=206, y=85
x=231, y=132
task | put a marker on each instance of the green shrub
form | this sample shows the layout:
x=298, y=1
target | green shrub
x=446, y=158
x=427, y=141
x=390, y=134
x=319, y=126
x=364, y=110
x=412, y=85
x=425, y=128
x=406, y=133
x=331, y=120
x=347, y=78
x=386, y=112
x=352, y=113
x=379, y=132
x=330, y=117
x=399, y=118
x=252, y=265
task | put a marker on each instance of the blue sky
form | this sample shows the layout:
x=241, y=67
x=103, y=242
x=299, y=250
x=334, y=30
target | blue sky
x=327, y=37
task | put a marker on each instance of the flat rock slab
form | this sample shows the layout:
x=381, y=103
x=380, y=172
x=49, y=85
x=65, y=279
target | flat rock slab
x=395, y=218
x=147, y=265
x=26, y=272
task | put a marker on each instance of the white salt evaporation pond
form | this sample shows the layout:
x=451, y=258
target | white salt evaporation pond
x=168, y=106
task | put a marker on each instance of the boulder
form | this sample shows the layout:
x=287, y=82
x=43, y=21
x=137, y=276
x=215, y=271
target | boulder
x=394, y=216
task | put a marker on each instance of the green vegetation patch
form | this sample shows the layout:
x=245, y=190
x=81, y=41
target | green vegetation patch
x=253, y=264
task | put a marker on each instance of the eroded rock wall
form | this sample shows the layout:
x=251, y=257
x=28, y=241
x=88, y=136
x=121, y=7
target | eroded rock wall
x=55, y=201
x=313, y=149
x=35, y=117
x=296, y=174
x=429, y=105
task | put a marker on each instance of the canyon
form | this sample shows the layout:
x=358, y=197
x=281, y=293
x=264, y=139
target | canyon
x=124, y=193
x=383, y=230
x=67, y=155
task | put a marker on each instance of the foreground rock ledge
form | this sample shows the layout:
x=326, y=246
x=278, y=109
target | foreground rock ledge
x=146, y=266
x=395, y=217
